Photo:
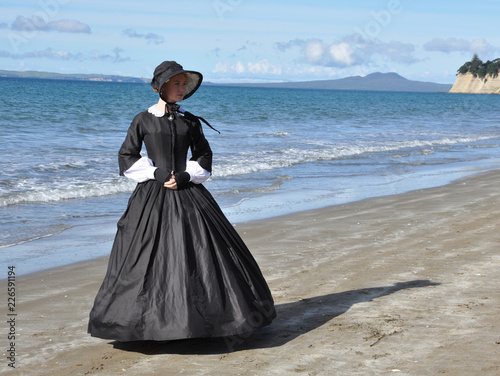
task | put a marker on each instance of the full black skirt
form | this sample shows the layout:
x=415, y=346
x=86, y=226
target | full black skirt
x=178, y=269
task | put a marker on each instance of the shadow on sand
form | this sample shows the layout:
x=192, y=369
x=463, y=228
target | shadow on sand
x=293, y=320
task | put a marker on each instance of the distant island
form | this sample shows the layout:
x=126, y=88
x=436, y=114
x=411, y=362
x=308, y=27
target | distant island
x=70, y=77
x=477, y=77
x=372, y=82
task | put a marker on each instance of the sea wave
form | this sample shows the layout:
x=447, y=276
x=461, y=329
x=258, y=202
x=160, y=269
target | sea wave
x=50, y=194
x=280, y=134
x=72, y=164
x=17, y=239
x=282, y=158
x=244, y=163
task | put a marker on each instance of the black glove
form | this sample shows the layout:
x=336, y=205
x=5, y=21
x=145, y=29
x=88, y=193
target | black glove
x=182, y=178
x=162, y=175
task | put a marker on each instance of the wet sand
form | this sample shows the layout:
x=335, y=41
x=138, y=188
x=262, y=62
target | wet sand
x=406, y=284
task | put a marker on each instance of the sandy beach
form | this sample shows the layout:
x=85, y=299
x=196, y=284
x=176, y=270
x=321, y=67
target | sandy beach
x=406, y=284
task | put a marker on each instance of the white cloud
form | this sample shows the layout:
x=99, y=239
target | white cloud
x=48, y=53
x=37, y=23
x=221, y=68
x=51, y=54
x=259, y=68
x=69, y=26
x=29, y=24
x=314, y=51
x=479, y=46
x=240, y=68
x=317, y=52
x=283, y=46
x=264, y=67
x=114, y=58
x=264, y=70
x=349, y=51
x=149, y=37
x=342, y=54
x=394, y=51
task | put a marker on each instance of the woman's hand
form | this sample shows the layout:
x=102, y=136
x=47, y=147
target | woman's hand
x=177, y=180
x=171, y=183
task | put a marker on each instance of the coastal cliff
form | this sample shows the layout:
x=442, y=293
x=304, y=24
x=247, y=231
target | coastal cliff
x=467, y=83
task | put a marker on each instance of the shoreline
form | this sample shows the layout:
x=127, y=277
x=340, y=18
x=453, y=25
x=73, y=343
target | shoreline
x=93, y=238
x=400, y=284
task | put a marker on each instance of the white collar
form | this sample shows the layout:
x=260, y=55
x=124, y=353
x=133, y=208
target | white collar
x=153, y=110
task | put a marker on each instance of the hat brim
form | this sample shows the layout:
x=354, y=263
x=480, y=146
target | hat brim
x=194, y=81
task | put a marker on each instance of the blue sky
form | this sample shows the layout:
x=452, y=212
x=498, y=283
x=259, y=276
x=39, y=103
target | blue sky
x=251, y=41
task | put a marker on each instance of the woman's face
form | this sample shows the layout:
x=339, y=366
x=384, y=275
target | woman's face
x=175, y=89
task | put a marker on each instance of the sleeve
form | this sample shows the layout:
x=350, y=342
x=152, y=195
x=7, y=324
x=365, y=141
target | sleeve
x=200, y=148
x=141, y=170
x=130, y=151
x=198, y=174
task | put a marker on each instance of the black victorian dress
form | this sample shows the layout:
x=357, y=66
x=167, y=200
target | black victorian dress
x=177, y=269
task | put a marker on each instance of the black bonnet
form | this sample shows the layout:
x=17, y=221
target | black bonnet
x=168, y=69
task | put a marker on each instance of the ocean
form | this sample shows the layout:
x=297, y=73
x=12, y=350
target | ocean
x=279, y=151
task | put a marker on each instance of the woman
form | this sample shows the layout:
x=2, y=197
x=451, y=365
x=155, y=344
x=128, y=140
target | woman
x=177, y=269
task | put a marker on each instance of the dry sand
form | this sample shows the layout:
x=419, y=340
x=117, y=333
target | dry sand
x=406, y=284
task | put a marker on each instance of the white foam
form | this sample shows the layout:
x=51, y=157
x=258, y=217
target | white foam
x=49, y=194
x=250, y=163
x=244, y=163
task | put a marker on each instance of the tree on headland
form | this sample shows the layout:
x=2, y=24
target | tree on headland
x=493, y=68
x=480, y=69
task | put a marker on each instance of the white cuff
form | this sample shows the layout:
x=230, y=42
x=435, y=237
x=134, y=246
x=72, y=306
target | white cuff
x=141, y=170
x=198, y=174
